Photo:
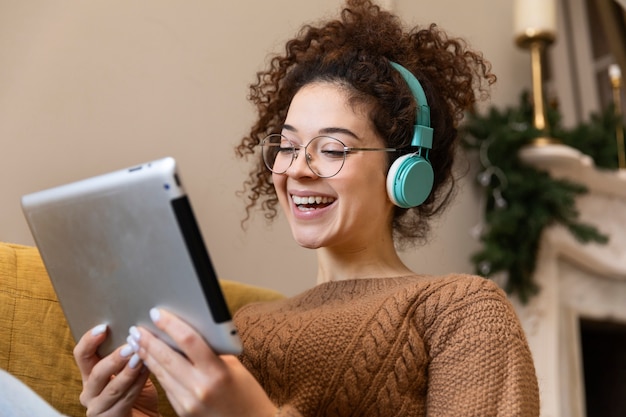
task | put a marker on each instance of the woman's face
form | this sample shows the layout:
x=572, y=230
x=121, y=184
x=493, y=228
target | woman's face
x=351, y=211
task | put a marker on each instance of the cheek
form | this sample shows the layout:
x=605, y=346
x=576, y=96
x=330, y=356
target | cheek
x=377, y=180
x=279, y=182
x=379, y=192
x=371, y=188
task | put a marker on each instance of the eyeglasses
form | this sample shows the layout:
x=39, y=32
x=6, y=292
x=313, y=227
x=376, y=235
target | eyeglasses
x=324, y=155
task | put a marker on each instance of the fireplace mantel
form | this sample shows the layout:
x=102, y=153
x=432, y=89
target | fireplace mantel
x=576, y=280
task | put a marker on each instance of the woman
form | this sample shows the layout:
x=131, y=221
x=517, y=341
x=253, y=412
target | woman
x=348, y=99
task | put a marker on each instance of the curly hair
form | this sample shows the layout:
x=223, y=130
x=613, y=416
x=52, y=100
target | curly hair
x=355, y=51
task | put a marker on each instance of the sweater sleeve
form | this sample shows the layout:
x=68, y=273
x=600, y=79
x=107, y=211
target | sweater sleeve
x=480, y=363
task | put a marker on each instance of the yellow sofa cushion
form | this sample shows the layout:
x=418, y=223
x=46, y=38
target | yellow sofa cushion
x=35, y=341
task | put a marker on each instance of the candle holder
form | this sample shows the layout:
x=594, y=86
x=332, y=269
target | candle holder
x=537, y=42
x=615, y=75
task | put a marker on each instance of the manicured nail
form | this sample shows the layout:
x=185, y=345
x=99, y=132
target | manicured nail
x=134, y=333
x=99, y=329
x=134, y=361
x=126, y=351
x=132, y=343
x=155, y=314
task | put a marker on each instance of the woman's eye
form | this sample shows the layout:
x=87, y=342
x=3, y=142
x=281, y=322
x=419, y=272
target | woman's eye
x=332, y=153
x=285, y=150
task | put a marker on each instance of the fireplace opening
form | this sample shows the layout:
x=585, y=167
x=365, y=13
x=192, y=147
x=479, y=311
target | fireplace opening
x=603, y=346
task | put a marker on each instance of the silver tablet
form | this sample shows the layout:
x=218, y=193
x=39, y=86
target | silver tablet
x=118, y=244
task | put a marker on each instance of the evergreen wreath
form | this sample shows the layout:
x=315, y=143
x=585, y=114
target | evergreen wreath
x=520, y=201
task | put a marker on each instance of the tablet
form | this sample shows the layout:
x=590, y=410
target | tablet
x=118, y=244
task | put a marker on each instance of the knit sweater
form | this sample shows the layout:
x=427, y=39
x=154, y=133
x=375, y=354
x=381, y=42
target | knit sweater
x=409, y=346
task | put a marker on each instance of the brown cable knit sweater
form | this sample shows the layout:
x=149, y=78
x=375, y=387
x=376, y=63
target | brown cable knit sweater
x=410, y=346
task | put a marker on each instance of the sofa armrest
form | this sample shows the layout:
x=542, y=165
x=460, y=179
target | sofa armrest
x=35, y=341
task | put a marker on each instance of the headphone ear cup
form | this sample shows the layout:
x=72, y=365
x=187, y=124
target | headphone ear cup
x=409, y=181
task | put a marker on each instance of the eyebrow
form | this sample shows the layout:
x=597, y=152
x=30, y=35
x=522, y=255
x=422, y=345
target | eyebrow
x=326, y=130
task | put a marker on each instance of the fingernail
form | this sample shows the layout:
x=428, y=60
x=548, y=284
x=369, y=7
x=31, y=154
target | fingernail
x=134, y=361
x=99, y=329
x=155, y=314
x=132, y=343
x=134, y=333
x=126, y=351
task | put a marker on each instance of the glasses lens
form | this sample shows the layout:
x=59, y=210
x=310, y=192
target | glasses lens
x=278, y=153
x=325, y=156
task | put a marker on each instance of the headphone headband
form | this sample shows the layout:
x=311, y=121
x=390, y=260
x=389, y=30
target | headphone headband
x=423, y=133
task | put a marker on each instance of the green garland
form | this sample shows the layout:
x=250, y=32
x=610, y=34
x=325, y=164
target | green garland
x=519, y=200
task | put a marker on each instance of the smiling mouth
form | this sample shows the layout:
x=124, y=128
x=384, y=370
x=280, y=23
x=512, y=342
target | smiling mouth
x=311, y=202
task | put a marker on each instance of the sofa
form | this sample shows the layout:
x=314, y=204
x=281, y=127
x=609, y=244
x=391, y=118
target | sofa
x=35, y=342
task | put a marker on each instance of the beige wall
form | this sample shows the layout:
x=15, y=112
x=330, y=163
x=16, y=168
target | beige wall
x=91, y=86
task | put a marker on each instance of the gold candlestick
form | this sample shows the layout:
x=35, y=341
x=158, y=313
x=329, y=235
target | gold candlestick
x=616, y=82
x=537, y=41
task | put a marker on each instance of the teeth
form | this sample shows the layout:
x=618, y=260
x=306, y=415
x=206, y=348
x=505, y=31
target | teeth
x=311, y=200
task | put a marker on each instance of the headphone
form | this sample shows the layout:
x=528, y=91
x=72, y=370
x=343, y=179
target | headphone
x=410, y=178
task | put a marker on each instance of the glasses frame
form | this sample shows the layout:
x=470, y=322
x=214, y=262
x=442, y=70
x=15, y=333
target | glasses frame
x=296, y=147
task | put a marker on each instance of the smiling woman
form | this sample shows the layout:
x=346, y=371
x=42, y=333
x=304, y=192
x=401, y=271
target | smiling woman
x=363, y=83
x=357, y=123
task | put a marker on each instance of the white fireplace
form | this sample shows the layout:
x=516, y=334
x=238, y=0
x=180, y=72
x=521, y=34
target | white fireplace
x=577, y=280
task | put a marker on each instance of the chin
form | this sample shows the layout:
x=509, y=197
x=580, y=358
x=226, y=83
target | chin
x=308, y=245
x=306, y=242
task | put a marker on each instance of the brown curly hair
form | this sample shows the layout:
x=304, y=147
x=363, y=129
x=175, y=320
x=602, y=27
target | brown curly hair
x=355, y=51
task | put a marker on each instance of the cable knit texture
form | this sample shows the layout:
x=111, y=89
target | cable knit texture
x=409, y=346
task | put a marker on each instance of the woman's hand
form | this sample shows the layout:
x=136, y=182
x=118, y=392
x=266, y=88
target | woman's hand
x=201, y=383
x=112, y=386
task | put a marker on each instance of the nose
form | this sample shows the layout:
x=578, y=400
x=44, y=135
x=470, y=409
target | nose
x=300, y=165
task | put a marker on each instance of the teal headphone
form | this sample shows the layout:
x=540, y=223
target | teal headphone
x=410, y=178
